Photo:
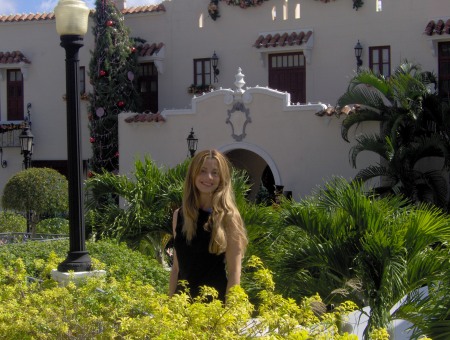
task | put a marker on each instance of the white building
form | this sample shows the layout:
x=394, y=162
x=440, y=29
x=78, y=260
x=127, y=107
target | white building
x=304, y=47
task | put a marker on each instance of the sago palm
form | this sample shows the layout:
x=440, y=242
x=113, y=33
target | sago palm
x=147, y=201
x=344, y=244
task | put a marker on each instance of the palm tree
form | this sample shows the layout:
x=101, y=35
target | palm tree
x=144, y=219
x=408, y=135
x=345, y=245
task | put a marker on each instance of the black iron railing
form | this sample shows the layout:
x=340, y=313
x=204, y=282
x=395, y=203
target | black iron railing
x=7, y=238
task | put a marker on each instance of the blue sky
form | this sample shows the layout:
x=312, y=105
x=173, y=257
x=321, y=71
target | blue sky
x=40, y=6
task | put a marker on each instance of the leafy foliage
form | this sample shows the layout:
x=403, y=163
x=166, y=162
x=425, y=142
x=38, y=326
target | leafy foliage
x=120, y=262
x=413, y=131
x=40, y=190
x=54, y=225
x=124, y=307
x=149, y=199
x=12, y=222
x=344, y=244
x=112, y=70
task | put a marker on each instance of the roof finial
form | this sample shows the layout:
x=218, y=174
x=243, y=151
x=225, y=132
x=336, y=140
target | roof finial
x=239, y=83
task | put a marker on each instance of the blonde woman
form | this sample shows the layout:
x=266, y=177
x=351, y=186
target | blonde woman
x=209, y=234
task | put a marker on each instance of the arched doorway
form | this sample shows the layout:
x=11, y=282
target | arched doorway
x=261, y=178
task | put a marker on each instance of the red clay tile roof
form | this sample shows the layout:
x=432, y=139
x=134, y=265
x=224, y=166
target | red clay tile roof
x=147, y=50
x=51, y=16
x=438, y=27
x=145, y=117
x=337, y=111
x=143, y=9
x=283, y=39
x=14, y=57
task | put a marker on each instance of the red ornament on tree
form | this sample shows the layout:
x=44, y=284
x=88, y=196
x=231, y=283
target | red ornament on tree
x=120, y=103
x=109, y=23
x=90, y=174
x=102, y=73
x=92, y=140
x=117, y=154
x=133, y=49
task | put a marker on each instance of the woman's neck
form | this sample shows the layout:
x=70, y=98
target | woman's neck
x=206, y=202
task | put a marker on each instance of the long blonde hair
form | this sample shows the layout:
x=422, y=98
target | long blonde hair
x=225, y=216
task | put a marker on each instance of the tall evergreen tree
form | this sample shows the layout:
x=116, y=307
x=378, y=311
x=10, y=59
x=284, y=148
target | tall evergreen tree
x=112, y=70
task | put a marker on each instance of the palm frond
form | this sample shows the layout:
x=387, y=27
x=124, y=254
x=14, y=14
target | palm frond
x=362, y=115
x=374, y=143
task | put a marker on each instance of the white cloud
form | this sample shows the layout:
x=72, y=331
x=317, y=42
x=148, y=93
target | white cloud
x=133, y=3
x=47, y=6
x=34, y=6
x=7, y=7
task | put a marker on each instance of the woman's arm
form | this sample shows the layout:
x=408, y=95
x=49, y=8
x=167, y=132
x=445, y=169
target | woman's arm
x=174, y=272
x=233, y=256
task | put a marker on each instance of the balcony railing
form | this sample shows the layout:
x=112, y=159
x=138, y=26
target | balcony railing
x=9, y=133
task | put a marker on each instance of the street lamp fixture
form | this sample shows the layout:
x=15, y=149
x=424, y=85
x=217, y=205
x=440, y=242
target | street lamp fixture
x=72, y=24
x=26, y=146
x=358, y=53
x=215, y=62
x=3, y=162
x=192, y=142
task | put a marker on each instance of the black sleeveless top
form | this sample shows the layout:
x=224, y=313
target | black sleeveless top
x=196, y=264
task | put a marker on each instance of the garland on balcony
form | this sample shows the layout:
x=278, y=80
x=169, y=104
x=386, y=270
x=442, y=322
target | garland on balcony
x=357, y=4
x=213, y=8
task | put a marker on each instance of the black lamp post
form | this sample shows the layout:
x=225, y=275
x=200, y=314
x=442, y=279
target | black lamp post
x=192, y=142
x=72, y=24
x=358, y=53
x=215, y=62
x=26, y=146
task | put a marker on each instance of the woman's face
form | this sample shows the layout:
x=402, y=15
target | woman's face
x=208, y=179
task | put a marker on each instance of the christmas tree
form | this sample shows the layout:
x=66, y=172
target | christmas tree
x=112, y=70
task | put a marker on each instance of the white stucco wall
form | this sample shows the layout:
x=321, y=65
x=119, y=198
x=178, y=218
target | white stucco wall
x=44, y=87
x=314, y=155
x=302, y=149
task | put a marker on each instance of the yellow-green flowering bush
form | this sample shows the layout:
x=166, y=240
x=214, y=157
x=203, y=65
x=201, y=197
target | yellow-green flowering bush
x=106, y=308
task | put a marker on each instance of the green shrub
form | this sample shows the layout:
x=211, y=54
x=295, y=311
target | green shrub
x=41, y=191
x=55, y=225
x=12, y=222
x=119, y=261
x=109, y=308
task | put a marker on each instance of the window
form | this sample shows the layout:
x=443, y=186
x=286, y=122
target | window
x=287, y=72
x=148, y=87
x=82, y=80
x=285, y=10
x=202, y=72
x=14, y=95
x=297, y=11
x=379, y=5
x=444, y=69
x=380, y=60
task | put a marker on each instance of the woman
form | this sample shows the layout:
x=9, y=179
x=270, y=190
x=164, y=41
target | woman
x=209, y=234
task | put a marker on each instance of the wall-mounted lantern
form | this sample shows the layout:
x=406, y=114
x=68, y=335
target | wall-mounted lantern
x=192, y=142
x=358, y=53
x=215, y=62
x=26, y=146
